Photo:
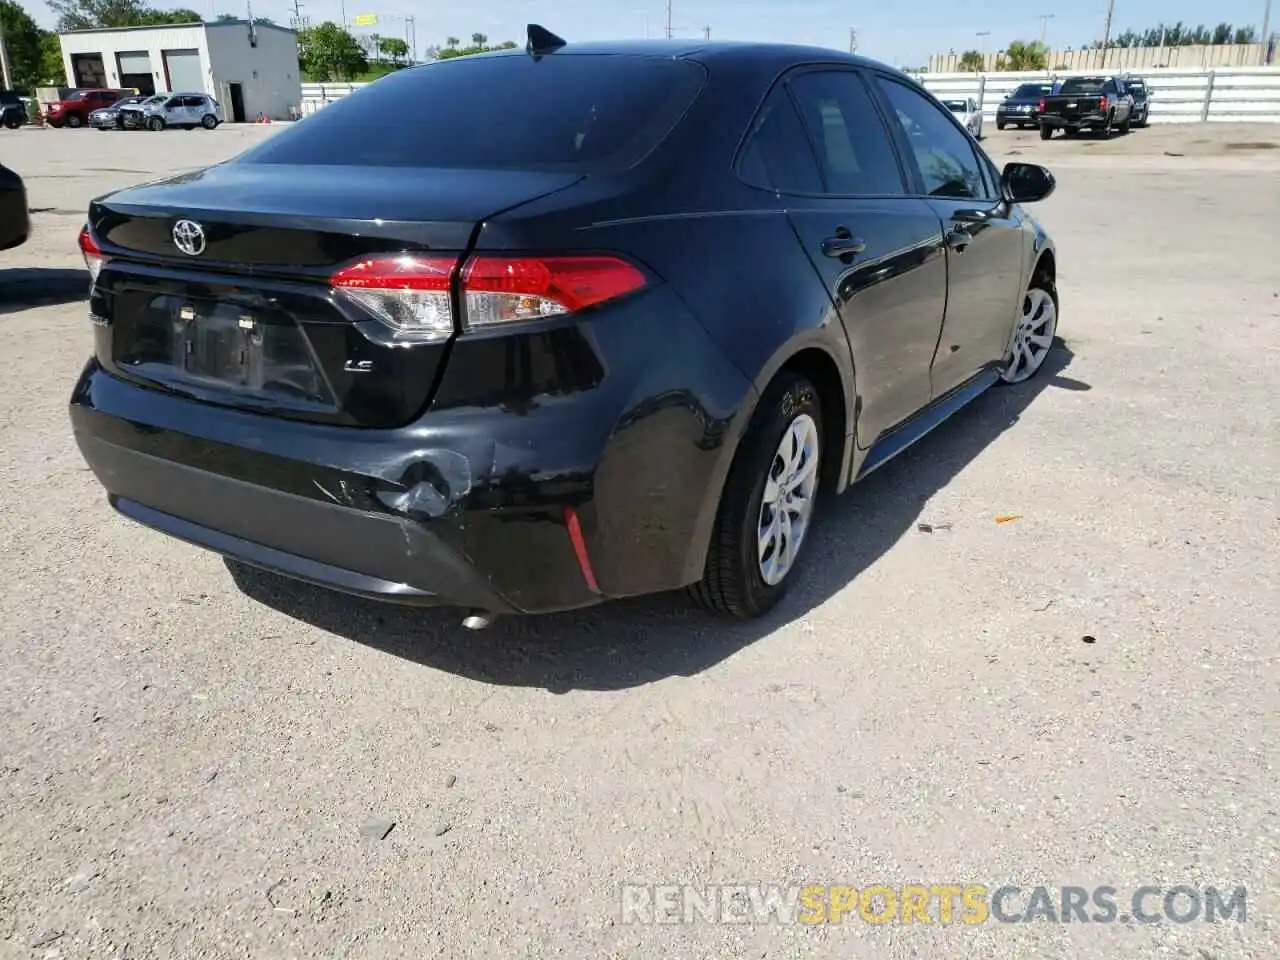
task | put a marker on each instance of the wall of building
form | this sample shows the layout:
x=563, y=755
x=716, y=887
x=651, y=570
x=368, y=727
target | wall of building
x=154, y=40
x=268, y=73
x=1119, y=59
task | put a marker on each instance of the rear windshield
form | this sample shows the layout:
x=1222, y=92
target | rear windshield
x=562, y=112
x=1082, y=85
x=1032, y=90
x=955, y=106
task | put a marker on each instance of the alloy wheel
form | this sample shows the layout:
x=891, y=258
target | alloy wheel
x=1032, y=337
x=787, y=504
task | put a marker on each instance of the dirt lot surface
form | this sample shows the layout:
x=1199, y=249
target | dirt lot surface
x=1088, y=695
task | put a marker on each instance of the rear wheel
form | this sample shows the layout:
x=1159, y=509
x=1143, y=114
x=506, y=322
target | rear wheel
x=73, y=121
x=12, y=122
x=768, y=503
x=1107, y=130
x=1046, y=131
x=155, y=123
x=1124, y=127
x=209, y=121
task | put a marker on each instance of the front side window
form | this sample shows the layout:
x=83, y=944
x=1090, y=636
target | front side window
x=942, y=150
x=850, y=139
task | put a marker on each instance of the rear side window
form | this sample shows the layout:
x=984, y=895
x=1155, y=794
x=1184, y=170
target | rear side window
x=778, y=155
x=562, y=112
x=853, y=145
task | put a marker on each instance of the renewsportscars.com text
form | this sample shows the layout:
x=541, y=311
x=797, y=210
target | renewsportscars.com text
x=930, y=904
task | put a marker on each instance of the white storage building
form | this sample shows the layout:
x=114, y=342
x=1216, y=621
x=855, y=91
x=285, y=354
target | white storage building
x=250, y=69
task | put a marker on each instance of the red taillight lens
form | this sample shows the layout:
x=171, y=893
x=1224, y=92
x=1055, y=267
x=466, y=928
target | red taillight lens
x=1102, y=103
x=1042, y=104
x=409, y=293
x=506, y=289
x=93, y=256
x=412, y=293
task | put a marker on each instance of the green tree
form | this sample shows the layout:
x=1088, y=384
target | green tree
x=972, y=61
x=1023, y=55
x=451, y=48
x=479, y=39
x=395, y=49
x=53, y=72
x=328, y=52
x=451, y=42
x=22, y=39
x=87, y=14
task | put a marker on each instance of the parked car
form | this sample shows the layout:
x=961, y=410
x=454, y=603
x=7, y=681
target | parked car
x=1021, y=108
x=13, y=110
x=1099, y=103
x=74, y=109
x=185, y=111
x=110, y=117
x=1141, y=93
x=15, y=222
x=133, y=116
x=968, y=113
x=543, y=362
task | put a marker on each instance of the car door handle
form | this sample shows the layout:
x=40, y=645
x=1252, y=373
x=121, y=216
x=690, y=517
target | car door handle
x=958, y=238
x=843, y=244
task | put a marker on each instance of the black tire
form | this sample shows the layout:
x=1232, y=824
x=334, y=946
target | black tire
x=155, y=123
x=1124, y=127
x=209, y=121
x=732, y=584
x=999, y=124
x=12, y=120
x=74, y=121
x=1108, y=130
x=1046, y=131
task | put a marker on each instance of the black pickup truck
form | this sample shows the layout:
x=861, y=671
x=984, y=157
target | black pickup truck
x=1087, y=103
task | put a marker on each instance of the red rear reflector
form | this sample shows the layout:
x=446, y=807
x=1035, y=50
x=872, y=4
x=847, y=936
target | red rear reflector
x=580, y=548
x=1102, y=102
x=506, y=289
x=92, y=253
x=1042, y=104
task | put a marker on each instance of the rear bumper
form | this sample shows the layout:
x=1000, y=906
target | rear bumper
x=1077, y=123
x=472, y=505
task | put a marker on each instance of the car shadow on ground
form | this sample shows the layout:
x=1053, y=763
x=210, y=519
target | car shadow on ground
x=23, y=287
x=633, y=642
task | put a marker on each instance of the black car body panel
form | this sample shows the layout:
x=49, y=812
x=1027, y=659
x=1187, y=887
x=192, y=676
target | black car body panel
x=485, y=467
x=13, y=112
x=15, y=221
x=1022, y=106
x=1141, y=93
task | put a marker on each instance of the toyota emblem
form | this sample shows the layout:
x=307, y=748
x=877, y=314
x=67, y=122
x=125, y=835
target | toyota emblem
x=188, y=236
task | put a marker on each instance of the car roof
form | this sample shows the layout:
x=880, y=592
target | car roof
x=763, y=54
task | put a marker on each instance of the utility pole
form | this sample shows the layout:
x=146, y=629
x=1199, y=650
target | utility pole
x=669, y=19
x=853, y=40
x=1266, y=25
x=1044, y=22
x=1106, y=34
x=4, y=61
x=706, y=33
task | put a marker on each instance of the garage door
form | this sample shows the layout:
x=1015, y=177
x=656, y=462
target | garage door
x=183, y=68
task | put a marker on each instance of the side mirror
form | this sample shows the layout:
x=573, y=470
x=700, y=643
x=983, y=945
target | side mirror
x=1026, y=182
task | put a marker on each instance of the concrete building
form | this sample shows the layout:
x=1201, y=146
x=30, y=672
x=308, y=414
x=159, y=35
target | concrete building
x=248, y=68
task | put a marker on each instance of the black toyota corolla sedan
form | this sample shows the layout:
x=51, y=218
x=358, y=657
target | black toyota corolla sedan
x=526, y=331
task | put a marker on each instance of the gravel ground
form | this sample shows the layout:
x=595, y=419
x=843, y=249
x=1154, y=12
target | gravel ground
x=199, y=765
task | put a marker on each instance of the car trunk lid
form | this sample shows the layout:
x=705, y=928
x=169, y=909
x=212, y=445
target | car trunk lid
x=214, y=284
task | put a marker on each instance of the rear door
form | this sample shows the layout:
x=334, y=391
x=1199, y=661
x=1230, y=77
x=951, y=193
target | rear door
x=984, y=235
x=876, y=250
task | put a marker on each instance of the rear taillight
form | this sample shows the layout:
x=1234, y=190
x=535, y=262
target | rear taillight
x=1041, y=107
x=93, y=256
x=412, y=293
x=1102, y=103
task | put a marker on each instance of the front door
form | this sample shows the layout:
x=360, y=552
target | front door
x=984, y=237
x=877, y=251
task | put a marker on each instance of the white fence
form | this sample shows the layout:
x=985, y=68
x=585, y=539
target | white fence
x=1177, y=96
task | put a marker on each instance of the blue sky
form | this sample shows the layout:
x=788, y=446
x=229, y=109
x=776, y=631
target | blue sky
x=902, y=34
